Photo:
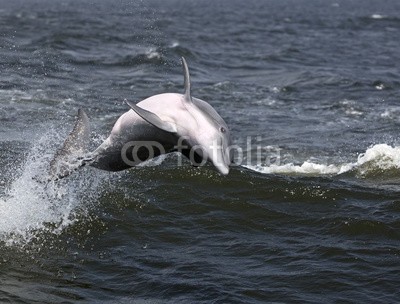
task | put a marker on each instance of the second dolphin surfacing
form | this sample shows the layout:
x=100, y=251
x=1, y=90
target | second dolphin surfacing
x=160, y=124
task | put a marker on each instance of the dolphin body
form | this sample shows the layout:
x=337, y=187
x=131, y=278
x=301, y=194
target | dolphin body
x=158, y=125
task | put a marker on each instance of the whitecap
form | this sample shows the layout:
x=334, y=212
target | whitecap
x=153, y=54
x=377, y=16
x=391, y=113
x=307, y=168
x=174, y=44
x=378, y=158
x=353, y=112
x=381, y=156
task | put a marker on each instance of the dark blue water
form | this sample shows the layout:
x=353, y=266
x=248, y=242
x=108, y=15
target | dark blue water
x=311, y=92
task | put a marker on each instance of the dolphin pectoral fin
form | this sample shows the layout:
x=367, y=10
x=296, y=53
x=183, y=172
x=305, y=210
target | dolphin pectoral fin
x=70, y=156
x=153, y=119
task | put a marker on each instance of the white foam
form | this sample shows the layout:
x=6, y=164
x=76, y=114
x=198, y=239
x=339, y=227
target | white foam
x=378, y=157
x=152, y=53
x=377, y=16
x=381, y=156
x=391, y=113
x=307, y=168
x=175, y=44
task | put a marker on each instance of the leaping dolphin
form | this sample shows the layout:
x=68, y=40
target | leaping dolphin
x=160, y=124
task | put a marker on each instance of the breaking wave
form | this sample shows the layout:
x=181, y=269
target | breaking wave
x=378, y=160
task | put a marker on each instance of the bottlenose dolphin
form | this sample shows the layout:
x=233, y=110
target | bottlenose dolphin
x=158, y=125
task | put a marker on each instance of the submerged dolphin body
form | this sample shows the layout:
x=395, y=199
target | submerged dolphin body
x=157, y=125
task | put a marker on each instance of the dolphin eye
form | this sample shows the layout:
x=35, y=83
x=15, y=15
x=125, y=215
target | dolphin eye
x=222, y=129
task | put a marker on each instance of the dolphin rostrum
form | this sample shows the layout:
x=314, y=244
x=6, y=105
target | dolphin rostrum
x=158, y=125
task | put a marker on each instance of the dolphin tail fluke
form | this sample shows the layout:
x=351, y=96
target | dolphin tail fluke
x=72, y=154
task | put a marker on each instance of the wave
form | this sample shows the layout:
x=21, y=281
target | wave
x=128, y=57
x=153, y=55
x=380, y=160
x=32, y=207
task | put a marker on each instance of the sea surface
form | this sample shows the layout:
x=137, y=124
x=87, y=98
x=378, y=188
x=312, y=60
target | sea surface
x=309, y=214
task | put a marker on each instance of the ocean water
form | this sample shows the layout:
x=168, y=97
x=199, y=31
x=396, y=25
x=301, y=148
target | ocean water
x=310, y=213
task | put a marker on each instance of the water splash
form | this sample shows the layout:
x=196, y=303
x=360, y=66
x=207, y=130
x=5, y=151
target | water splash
x=378, y=16
x=380, y=159
x=32, y=205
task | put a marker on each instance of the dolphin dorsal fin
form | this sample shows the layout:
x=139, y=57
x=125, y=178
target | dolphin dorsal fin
x=152, y=118
x=186, y=75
